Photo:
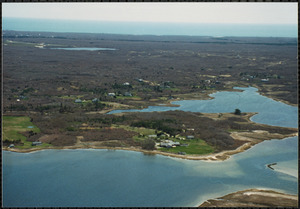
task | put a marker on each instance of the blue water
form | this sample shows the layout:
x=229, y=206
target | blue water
x=86, y=49
x=78, y=178
x=142, y=28
x=54, y=178
x=269, y=111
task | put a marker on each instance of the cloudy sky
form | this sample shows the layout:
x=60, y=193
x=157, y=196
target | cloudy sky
x=256, y=13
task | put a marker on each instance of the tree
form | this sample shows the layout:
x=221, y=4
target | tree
x=148, y=144
x=237, y=112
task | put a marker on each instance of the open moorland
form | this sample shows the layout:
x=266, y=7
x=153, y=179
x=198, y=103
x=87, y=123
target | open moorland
x=59, y=98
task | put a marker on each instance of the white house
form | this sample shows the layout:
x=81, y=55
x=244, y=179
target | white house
x=36, y=143
x=78, y=101
x=111, y=94
x=169, y=144
x=95, y=100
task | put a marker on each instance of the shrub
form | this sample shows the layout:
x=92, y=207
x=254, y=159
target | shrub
x=148, y=144
x=237, y=112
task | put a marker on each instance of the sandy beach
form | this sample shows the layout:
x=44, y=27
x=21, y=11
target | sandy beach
x=253, y=198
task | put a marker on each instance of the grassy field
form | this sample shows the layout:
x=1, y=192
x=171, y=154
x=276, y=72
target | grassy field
x=140, y=130
x=195, y=146
x=129, y=98
x=12, y=126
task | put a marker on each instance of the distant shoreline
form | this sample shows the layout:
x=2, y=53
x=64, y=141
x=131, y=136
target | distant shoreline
x=216, y=30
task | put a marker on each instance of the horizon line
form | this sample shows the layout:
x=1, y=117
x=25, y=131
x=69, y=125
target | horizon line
x=151, y=22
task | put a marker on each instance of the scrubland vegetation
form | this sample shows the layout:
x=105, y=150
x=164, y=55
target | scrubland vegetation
x=65, y=95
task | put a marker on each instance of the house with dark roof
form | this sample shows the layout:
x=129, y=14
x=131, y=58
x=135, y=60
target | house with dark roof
x=36, y=143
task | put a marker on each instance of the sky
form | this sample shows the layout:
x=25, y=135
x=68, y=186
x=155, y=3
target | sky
x=192, y=12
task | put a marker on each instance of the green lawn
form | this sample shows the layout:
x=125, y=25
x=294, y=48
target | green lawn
x=130, y=98
x=13, y=125
x=140, y=130
x=195, y=146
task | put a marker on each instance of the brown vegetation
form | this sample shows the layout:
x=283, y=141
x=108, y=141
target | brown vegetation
x=253, y=198
x=46, y=80
x=43, y=83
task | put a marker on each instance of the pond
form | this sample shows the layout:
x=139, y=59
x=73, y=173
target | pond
x=94, y=178
x=269, y=111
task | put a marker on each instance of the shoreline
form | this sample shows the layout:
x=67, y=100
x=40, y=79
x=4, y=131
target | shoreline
x=220, y=156
x=259, y=90
x=262, y=197
x=194, y=96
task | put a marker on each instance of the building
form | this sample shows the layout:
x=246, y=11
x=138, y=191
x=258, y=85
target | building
x=36, y=143
x=126, y=84
x=169, y=144
x=152, y=136
x=190, y=137
x=128, y=94
x=166, y=145
x=95, y=100
x=111, y=94
x=78, y=101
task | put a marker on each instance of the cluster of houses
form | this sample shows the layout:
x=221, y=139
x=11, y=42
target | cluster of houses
x=80, y=101
x=21, y=97
x=126, y=94
x=36, y=143
x=250, y=77
x=169, y=143
x=263, y=77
